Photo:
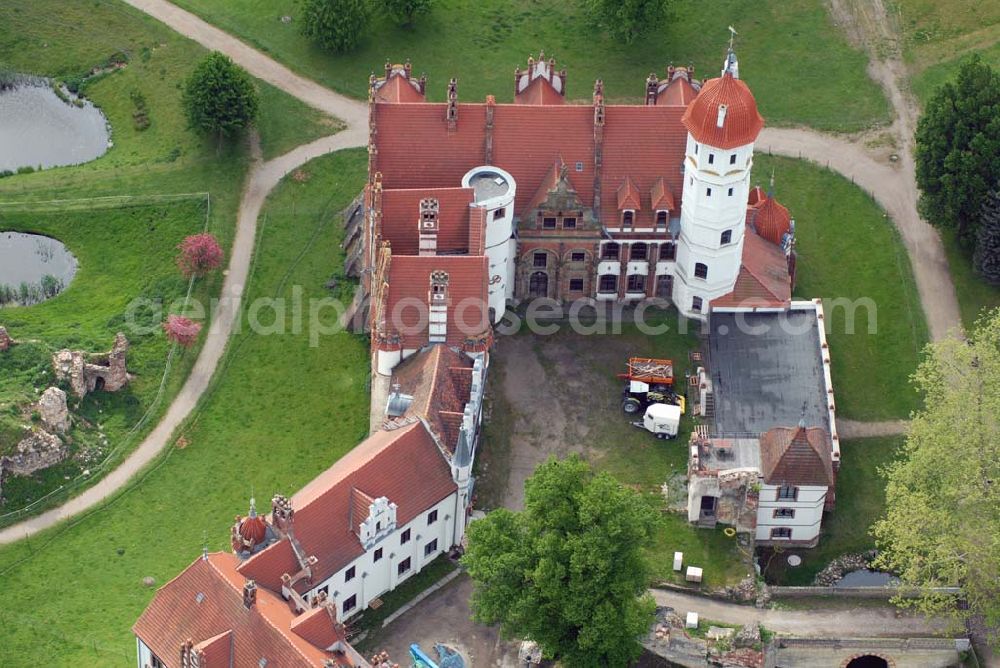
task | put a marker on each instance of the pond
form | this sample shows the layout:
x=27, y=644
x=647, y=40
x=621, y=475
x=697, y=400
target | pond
x=865, y=578
x=37, y=128
x=33, y=268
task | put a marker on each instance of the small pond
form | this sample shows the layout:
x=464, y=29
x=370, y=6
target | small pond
x=37, y=128
x=866, y=578
x=33, y=268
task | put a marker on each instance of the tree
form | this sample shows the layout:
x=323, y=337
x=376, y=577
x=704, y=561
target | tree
x=220, y=98
x=200, y=254
x=986, y=259
x=405, y=11
x=942, y=525
x=181, y=330
x=958, y=149
x=337, y=25
x=627, y=19
x=568, y=571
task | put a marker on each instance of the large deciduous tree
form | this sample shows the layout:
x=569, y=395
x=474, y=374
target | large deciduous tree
x=568, y=571
x=199, y=254
x=986, y=259
x=942, y=525
x=220, y=97
x=627, y=19
x=337, y=25
x=958, y=149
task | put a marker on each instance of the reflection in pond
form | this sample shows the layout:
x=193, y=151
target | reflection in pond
x=865, y=578
x=38, y=129
x=33, y=268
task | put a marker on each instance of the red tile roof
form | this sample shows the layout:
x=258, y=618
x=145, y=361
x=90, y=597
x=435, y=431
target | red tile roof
x=404, y=465
x=217, y=651
x=678, y=92
x=770, y=219
x=628, y=195
x=539, y=91
x=401, y=213
x=796, y=456
x=468, y=300
x=645, y=143
x=742, y=122
x=660, y=197
x=398, y=89
x=205, y=604
x=763, y=280
x=439, y=380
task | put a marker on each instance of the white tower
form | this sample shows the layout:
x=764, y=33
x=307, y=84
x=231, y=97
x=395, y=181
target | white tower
x=495, y=192
x=722, y=124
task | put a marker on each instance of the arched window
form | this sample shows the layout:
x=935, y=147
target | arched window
x=661, y=218
x=700, y=270
x=727, y=237
x=609, y=251
x=627, y=216
x=608, y=283
x=637, y=252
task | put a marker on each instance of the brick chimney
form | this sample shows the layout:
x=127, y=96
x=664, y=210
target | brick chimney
x=652, y=84
x=249, y=594
x=429, y=225
x=281, y=514
x=452, y=114
x=598, y=142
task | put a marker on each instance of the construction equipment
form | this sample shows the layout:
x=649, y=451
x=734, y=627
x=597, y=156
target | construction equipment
x=648, y=381
x=661, y=420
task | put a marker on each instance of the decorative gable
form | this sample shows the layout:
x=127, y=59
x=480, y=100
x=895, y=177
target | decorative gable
x=374, y=519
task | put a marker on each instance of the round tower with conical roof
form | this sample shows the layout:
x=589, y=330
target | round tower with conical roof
x=723, y=124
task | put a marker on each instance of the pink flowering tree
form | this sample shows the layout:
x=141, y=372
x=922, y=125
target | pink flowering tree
x=182, y=330
x=200, y=254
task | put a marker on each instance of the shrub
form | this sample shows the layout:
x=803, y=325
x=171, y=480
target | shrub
x=182, y=331
x=405, y=11
x=200, y=254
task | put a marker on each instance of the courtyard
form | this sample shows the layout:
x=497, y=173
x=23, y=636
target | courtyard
x=557, y=394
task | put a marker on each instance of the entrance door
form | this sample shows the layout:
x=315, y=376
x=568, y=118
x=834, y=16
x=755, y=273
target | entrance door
x=538, y=285
x=707, y=515
x=664, y=286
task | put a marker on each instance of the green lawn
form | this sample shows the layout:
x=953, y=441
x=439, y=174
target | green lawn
x=124, y=254
x=860, y=501
x=848, y=249
x=279, y=412
x=974, y=294
x=799, y=64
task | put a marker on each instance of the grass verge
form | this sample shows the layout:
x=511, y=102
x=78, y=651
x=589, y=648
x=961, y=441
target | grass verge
x=280, y=411
x=799, y=64
x=849, y=252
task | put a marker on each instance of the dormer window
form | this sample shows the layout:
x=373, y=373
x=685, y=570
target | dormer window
x=721, y=119
x=628, y=216
x=661, y=218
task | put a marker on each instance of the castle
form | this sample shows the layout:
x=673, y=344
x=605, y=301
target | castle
x=470, y=208
x=482, y=205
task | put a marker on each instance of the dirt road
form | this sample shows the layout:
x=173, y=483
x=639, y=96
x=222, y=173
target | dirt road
x=860, y=622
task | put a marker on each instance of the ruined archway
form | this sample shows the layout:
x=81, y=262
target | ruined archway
x=869, y=661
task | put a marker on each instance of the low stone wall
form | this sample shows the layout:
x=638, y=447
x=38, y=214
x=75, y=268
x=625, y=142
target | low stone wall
x=853, y=592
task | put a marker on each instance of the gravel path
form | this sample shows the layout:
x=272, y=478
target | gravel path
x=868, y=621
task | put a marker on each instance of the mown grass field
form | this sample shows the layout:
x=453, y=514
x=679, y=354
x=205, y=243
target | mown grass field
x=974, y=294
x=279, y=412
x=847, y=249
x=798, y=63
x=937, y=34
x=860, y=502
x=125, y=254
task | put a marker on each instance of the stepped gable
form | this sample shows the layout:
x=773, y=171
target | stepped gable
x=403, y=465
x=204, y=605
